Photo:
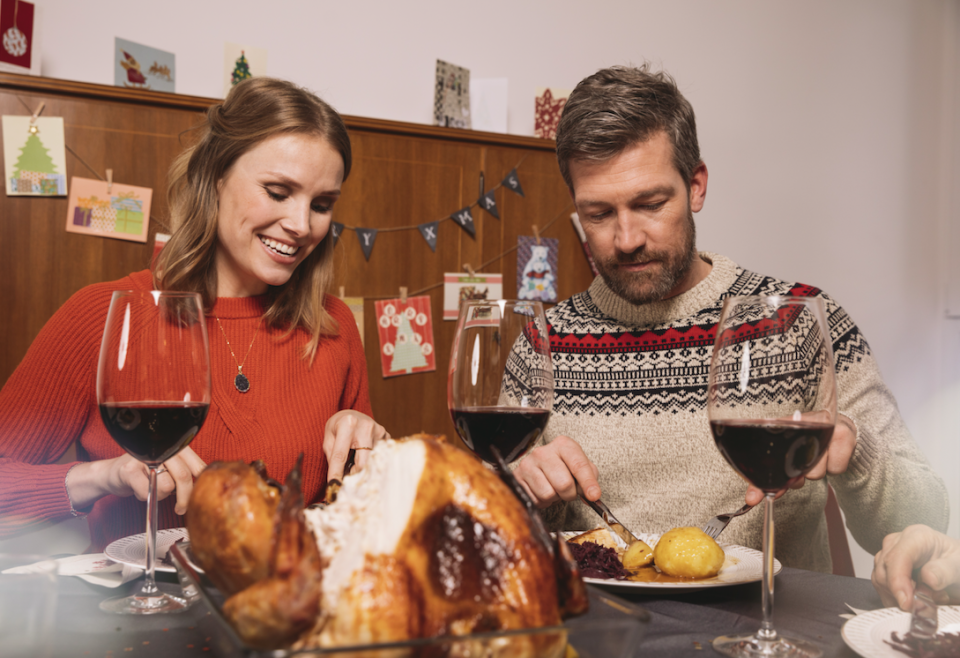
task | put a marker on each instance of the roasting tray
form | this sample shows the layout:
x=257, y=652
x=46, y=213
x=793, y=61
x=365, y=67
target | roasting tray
x=612, y=628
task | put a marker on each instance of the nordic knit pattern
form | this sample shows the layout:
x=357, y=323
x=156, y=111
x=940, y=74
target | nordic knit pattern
x=631, y=389
x=49, y=402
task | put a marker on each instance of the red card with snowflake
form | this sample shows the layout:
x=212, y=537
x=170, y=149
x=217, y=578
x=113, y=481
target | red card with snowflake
x=406, y=336
x=547, y=109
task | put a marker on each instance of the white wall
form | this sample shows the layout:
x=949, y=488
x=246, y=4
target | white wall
x=830, y=127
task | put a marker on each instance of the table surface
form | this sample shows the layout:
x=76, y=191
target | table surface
x=807, y=604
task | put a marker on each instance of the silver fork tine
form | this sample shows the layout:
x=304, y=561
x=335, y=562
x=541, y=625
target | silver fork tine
x=715, y=526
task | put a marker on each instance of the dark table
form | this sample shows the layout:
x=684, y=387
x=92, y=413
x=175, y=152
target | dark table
x=807, y=604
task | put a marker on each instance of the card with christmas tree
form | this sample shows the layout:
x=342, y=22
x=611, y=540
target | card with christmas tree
x=34, y=156
x=406, y=336
x=240, y=63
x=110, y=210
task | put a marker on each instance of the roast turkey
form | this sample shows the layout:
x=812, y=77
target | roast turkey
x=424, y=542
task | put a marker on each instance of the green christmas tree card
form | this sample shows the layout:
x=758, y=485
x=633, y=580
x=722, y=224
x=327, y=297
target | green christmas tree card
x=240, y=63
x=112, y=211
x=34, y=157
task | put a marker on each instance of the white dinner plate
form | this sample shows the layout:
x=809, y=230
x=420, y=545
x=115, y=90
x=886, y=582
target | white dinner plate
x=132, y=550
x=741, y=565
x=866, y=632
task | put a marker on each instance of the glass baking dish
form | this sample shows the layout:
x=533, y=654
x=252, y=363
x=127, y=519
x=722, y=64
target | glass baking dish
x=612, y=628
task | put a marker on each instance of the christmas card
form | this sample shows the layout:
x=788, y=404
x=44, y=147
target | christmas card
x=488, y=104
x=159, y=240
x=141, y=67
x=451, y=102
x=537, y=268
x=18, y=48
x=240, y=63
x=109, y=210
x=355, y=304
x=406, y=336
x=457, y=287
x=548, y=106
x=34, y=156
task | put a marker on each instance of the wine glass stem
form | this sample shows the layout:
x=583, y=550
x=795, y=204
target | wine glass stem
x=150, y=586
x=767, y=631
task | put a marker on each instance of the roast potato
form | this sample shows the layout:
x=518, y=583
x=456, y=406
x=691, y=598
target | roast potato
x=638, y=555
x=688, y=553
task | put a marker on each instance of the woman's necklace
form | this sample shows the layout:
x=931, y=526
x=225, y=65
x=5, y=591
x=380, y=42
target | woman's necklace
x=240, y=381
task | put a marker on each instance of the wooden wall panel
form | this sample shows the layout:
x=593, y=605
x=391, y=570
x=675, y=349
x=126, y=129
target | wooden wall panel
x=403, y=175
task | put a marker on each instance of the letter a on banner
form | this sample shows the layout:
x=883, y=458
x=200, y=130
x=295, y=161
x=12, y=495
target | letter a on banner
x=465, y=219
x=489, y=203
x=429, y=233
x=513, y=182
x=367, y=236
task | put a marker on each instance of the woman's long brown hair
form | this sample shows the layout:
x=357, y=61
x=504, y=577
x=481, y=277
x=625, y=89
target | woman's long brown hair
x=253, y=111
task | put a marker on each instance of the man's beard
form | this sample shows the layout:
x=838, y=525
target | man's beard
x=656, y=283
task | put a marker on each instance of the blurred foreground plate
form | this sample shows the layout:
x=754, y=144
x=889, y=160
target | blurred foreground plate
x=866, y=632
x=132, y=550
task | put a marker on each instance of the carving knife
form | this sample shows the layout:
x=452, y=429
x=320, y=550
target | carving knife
x=600, y=508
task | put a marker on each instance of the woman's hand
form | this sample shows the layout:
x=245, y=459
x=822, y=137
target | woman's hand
x=345, y=431
x=125, y=476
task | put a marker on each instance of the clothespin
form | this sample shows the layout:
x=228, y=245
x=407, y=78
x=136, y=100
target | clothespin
x=536, y=233
x=341, y=293
x=109, y=181
x=469, y=269
x=403, y=294
x=33, y=118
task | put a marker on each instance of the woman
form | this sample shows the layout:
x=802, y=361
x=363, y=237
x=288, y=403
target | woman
x=251, y=208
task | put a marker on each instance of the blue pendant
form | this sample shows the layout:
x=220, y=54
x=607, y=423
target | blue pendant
x=242, y=383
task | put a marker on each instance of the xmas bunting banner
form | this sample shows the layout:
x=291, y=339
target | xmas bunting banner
x=429, y=232
x=34, y=156
x=367, y=237
x=336, y=228
x=512, y=182
x=464, y=218
x=489, y=203
x=405, y=329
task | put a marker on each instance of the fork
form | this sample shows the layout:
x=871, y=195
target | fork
x=715, y=526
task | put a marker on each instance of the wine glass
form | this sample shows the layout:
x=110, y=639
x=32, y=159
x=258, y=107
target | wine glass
x=772, y=406
x=153, y=389
x=500, y=389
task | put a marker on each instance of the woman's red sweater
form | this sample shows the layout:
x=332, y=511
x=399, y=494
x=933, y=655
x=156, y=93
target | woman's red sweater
x=49, y=403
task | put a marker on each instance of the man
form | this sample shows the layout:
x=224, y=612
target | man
x=631, y=354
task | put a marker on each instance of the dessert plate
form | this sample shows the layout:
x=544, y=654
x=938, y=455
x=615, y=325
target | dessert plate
x=866, y=632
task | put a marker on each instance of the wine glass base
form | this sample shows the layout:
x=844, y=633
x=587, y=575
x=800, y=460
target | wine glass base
x=744, y=646
x=163, y=602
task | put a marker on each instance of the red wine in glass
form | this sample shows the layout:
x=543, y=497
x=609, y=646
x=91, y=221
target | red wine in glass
x=153, y=392
x=153, y=432
x=510, y=430
x=772, y=406
x=500, y=390
x=771, y=454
